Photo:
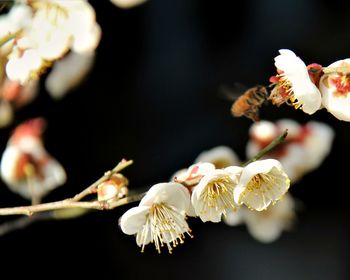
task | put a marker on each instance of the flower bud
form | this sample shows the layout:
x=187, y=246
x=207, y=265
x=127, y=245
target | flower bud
x=116, y=186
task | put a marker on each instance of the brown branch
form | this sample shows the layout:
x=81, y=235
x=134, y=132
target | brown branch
x=93, y=187
x=69, y=203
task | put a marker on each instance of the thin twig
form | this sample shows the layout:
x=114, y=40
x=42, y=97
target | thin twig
x=269, y=147
x=69, y=203
x=93, y=187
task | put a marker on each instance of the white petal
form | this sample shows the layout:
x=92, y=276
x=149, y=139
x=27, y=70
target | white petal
x=234, y=218
x=54, y=175
x=9, y=162
x=68, y=72
x=294, y=69
x=126, y=4
x=87, y=40
x=256, y=167
x=221, y=156
x=294, y=128
x=173, y=194
x=134, y=219
x=338, y=105
x=265, y=232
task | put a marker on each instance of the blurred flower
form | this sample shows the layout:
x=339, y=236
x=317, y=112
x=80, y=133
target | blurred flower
x=54, y=28
x=294, y=84
x=304, y=149
x=261, y=183
x=213, y=196
x=19, y=16
x=220, y=156
x=335, y=89
x=266, y=226
x=160, y=217
x=116, y=186
x=6, y=113
x=68, y=72
x=126, y=4
x=26, y=167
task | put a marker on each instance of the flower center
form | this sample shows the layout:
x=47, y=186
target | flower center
x=164, y=225
x=284, y=93
x=219, y=195
x=342, y=83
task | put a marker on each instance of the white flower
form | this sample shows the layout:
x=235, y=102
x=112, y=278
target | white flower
x=193, y=174
x=160, y=217
x=22, y=67
x=304, y=149
x=267, y=226
x=295, y=79
x=234, y=218
x=55, y=28
x=261, y=183
x=317, y=144
x=68, y=72
x=126, y=4
x=220, y=156
x=213, y=196
x=26, y=167
x=335, y=89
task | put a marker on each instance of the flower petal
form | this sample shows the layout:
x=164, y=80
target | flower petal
x=134, y=219
x=172, y=193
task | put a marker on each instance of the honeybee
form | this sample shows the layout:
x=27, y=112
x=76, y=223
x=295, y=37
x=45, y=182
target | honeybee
x=249, y=103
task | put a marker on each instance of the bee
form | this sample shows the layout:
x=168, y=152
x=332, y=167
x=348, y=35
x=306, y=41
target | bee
x=249, y=103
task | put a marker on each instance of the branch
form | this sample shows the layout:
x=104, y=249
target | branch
x=70, y=203
x=269, y=147
x=93, y=187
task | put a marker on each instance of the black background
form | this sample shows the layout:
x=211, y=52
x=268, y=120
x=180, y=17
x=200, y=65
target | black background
x=153, y=96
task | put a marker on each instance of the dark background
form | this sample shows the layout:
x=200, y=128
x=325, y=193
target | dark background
x=153, y=97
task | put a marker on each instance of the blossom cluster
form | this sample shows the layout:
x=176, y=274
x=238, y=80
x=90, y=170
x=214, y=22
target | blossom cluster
x=313, y=87
x=206, y=192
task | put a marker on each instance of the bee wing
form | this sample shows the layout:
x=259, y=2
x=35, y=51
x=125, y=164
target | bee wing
x=232, y=93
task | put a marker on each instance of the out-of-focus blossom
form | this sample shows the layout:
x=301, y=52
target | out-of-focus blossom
x=160, y=217
x=126, y=4
x=335, y=89
x=220, y=156
x=19, y=16
x=55, y=28
x=213, y=196
x=26, y=167
x=266, y=226
x=68, y=72
x=13, y=95
x=304, y=149
x=261, y=183
x=293, y=83
x=116, y=186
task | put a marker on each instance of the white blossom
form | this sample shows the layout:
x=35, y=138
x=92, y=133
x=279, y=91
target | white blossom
x=267, y=226
x=26, y=167
x=160, y=217
x=126, y=4
x=220, y=156
x=335, y=89
x=213, y=196
x=68, y=72
x=261, y=183
x=295, y=79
